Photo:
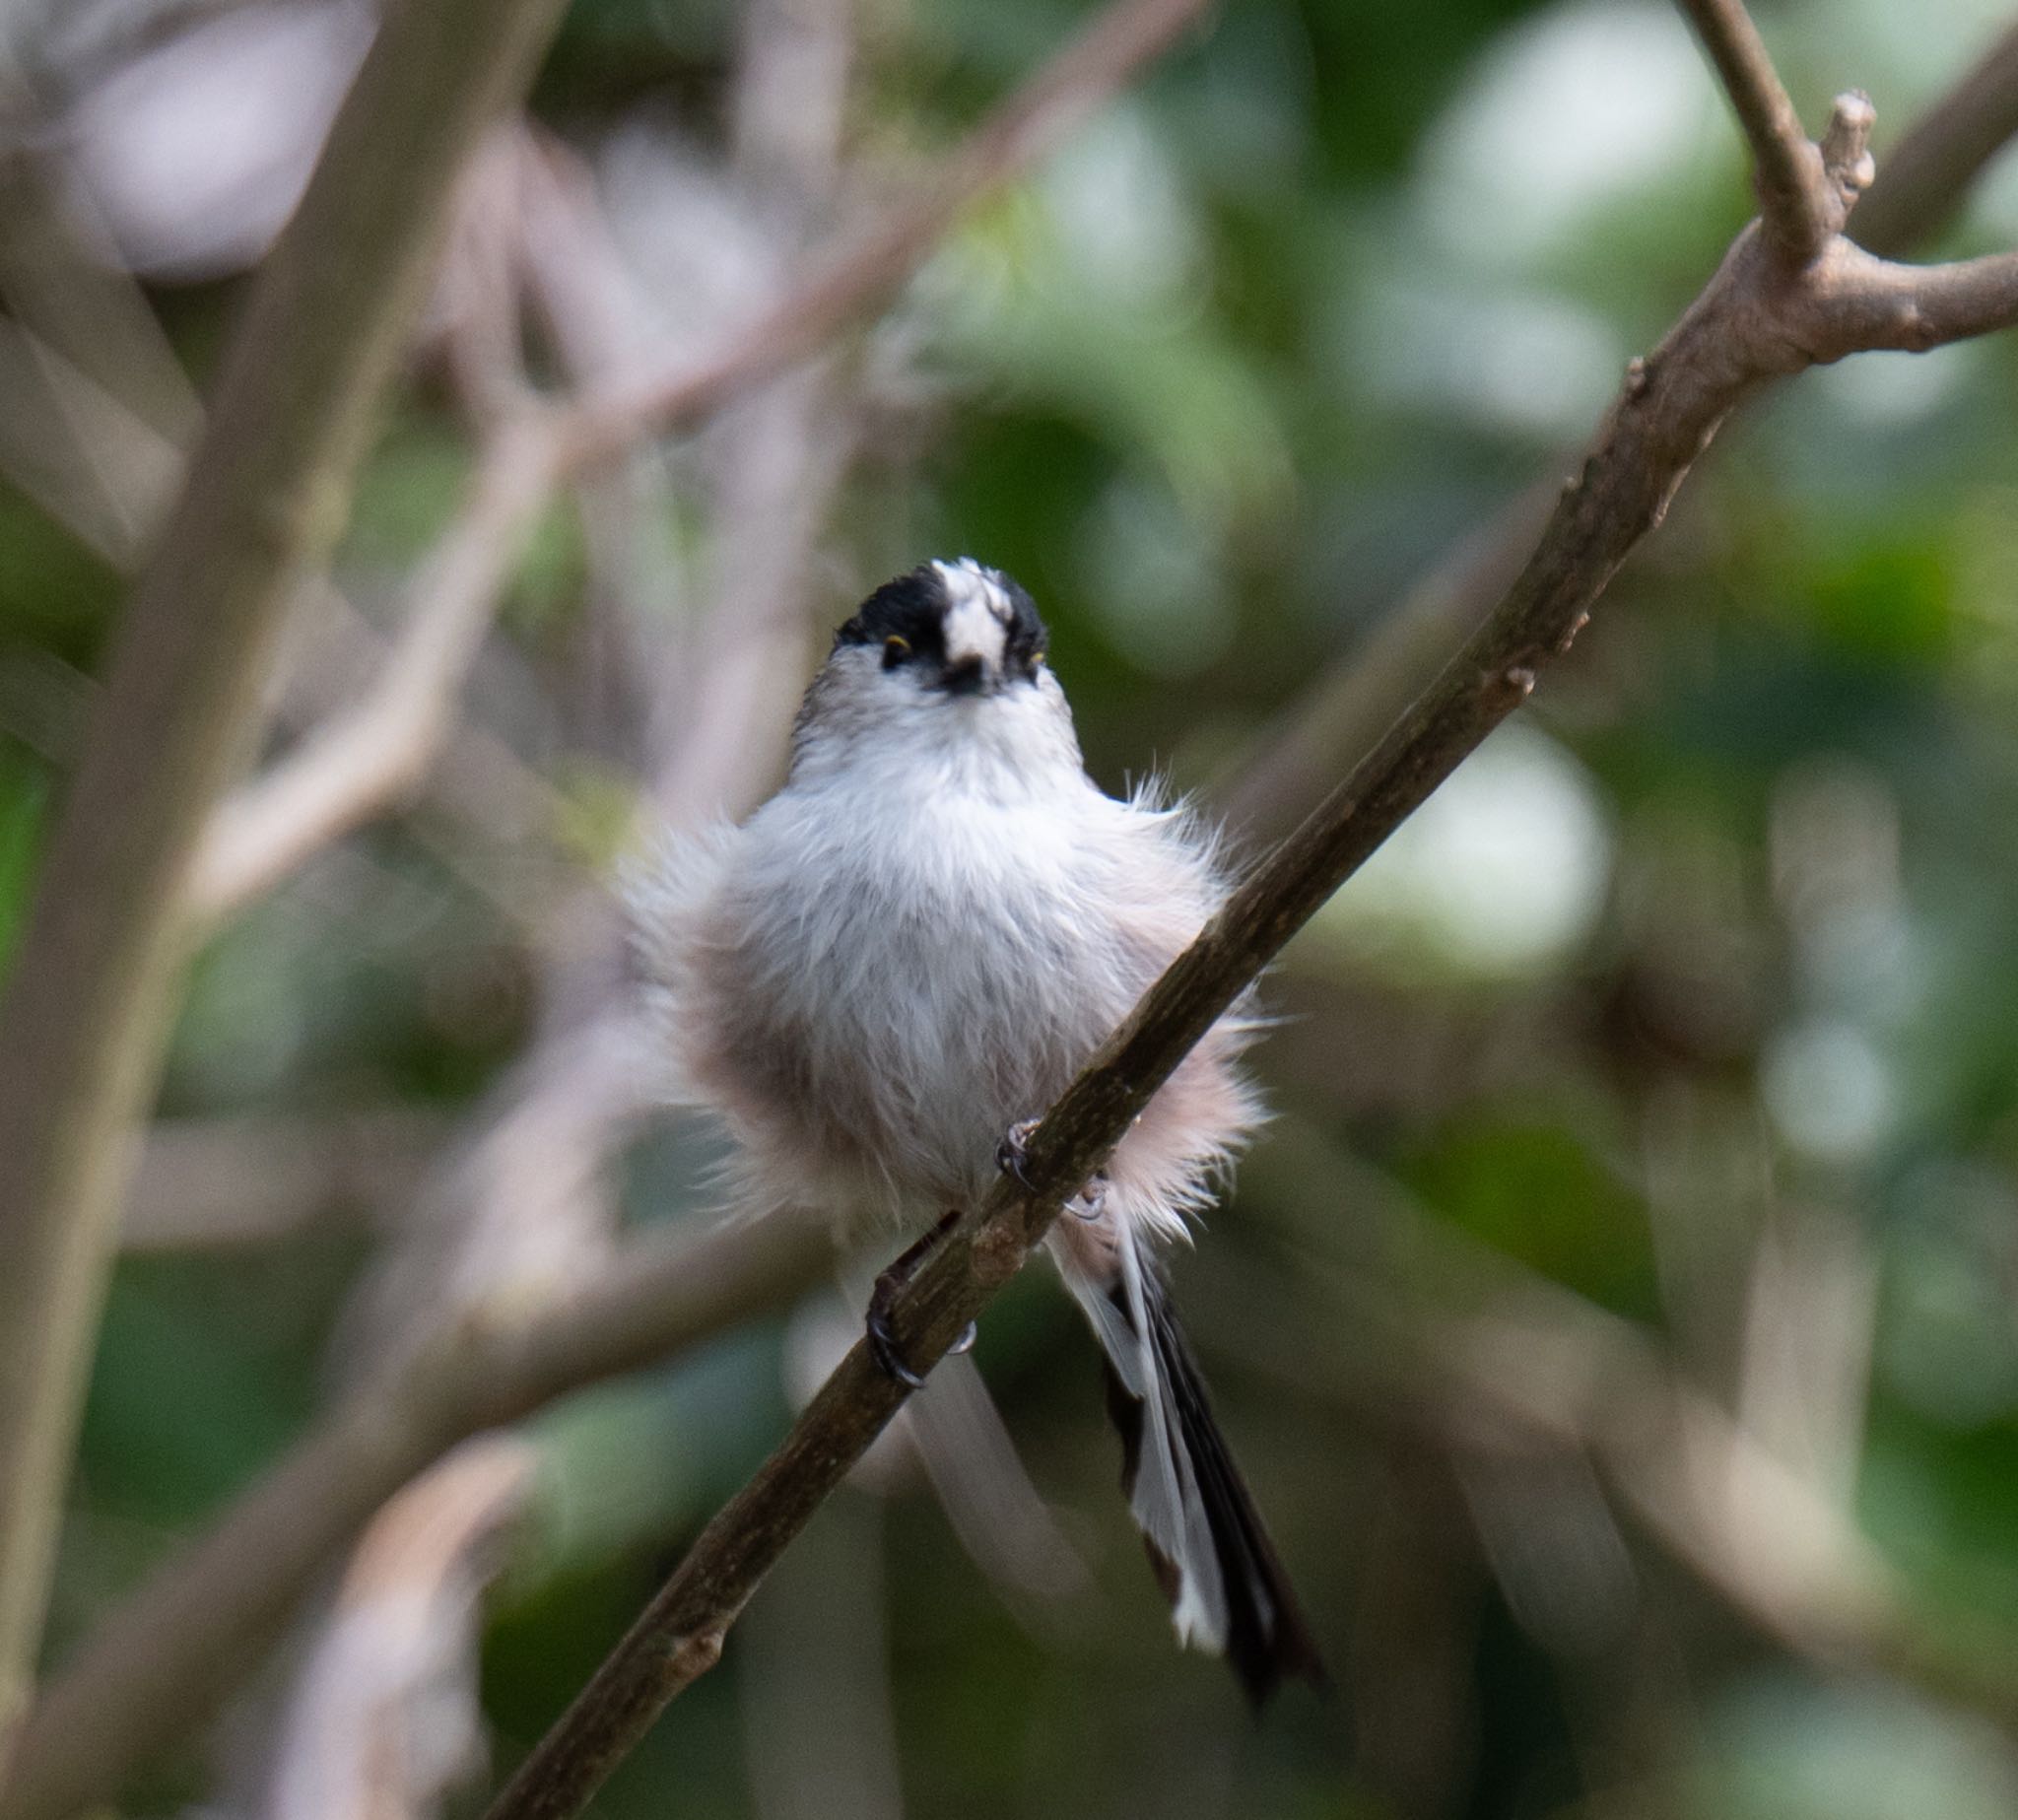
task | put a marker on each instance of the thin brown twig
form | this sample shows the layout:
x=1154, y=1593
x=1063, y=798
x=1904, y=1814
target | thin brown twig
x=88, y=1004
x=1862, y=301
x=1756, y=322
x=282, y=819
x=1787, y=169
x=1924, y=181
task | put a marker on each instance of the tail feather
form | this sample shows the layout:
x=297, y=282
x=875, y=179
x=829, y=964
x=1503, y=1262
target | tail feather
x=1206, y=1541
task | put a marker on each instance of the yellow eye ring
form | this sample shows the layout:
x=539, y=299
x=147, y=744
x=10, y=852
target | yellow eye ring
x=895, y=647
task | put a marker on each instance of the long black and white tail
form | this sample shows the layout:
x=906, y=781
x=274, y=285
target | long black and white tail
x=1227, y=1591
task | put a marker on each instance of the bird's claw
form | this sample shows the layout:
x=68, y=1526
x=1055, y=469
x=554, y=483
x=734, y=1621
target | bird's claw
x=884, y=1350
x=964, y=1343
x=1087, y=1204
x=1014, y=1147
x=882, y=1338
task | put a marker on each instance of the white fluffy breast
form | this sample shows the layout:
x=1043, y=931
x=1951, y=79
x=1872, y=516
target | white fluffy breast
x=892, y=963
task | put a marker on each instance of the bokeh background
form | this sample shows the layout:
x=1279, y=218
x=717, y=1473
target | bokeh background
x=1617, y=1321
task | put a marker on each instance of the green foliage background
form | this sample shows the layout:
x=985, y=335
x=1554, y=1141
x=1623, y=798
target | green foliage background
x=1715, y=954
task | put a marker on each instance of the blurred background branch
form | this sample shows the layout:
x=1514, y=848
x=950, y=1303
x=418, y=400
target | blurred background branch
x=91, y=988
x=351, y=766
x=1927, y=174
x=353, y=769
x=163, y=1660
x=385, y=1718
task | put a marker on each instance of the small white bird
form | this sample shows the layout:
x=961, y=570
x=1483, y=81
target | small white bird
x=910, y=950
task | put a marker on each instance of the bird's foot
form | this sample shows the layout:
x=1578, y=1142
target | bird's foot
x=884, y=1346
x=1014, y=1147
x=1088, y=1204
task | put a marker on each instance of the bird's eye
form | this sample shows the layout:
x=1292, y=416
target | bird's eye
x=894, y=651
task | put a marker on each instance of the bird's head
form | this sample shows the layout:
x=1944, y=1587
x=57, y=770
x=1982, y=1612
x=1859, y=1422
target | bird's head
x=945, y=663
x=955, y=628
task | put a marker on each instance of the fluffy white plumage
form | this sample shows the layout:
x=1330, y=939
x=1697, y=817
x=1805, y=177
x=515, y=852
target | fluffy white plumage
x=914, y=945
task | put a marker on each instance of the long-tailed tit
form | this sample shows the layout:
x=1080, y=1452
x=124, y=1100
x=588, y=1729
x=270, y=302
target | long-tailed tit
x=909, y=951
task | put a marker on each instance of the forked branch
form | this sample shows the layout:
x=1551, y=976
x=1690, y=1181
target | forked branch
x=1762, y=316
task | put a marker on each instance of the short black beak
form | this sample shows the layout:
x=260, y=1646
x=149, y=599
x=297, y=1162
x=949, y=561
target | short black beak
x=962, y=678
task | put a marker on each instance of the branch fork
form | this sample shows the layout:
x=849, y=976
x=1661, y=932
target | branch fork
x=1805, y=190
x=1791, y=293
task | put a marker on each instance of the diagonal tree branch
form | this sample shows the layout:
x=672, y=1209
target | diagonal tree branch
x=1760, y=318
x=158, y=1658
x=88, y=1004
x=344, y=775
x=1924, y=181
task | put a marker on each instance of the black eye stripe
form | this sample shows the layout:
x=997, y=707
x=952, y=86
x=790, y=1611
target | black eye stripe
x=912, y=608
